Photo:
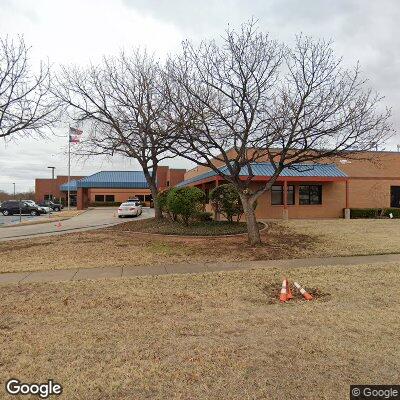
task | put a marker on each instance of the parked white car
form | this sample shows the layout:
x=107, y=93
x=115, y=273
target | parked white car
x=43, y=210
x=129, y=209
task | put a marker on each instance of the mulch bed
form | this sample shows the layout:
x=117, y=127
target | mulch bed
x=168, y=227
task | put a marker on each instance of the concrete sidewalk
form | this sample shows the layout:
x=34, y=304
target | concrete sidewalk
x=126, y=272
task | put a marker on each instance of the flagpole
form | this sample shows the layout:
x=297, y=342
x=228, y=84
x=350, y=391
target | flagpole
x=69, y=167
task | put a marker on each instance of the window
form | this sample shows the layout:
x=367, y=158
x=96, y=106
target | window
x=148, y=197
x=140, y=197
x=395, y=196
x=310, y=194
x=110, y=198
x=167, y=183
x=99, y=198
x=48, y=197
x=277, y=195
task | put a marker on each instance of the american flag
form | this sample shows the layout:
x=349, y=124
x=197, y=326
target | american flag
x=75, y=135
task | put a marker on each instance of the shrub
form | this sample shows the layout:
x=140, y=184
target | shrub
x=374, y=212
x=203, y=216
x=226, y=200
x=394, y=211
x=185, y=202
x=105, y=204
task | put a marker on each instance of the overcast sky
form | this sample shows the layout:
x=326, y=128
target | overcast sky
x=81, y=31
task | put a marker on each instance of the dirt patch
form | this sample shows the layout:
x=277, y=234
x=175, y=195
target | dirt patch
x=272, y=292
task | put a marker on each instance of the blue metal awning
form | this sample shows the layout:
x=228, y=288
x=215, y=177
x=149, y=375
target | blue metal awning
x=72, y=186
x=266, y=169
x=115, y=179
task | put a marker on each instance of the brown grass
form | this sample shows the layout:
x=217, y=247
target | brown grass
x=117, y=248
x=206, y=336
x=113, y=247
x=350, y=237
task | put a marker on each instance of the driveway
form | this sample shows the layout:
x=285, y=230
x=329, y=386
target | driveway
x=91, y=219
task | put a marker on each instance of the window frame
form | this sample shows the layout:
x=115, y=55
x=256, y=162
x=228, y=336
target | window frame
x=309, y=203
x=290, y=188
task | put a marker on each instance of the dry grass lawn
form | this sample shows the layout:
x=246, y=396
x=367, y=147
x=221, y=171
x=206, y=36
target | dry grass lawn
x=115, y=247
x=207, y=336
x=350, y=237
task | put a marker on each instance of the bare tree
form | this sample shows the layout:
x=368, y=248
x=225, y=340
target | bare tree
x=26, y=106
x=123, y=98
x=249, y=99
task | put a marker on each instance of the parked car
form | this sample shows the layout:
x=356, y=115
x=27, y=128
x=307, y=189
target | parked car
x=11, y=207
x=53, y=206
x=43, y=209
x=129, y=209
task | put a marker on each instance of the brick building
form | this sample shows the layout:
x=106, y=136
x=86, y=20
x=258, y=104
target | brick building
x=47, y=189
x=105, y=186
x=325, y=190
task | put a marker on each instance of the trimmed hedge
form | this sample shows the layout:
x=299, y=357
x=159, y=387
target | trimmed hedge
x=105, y=204
x=374, y=212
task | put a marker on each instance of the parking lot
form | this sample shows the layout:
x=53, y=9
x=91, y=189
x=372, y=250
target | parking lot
x=15, y=219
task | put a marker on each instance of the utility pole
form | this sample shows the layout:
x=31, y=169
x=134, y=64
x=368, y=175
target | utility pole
x=52, y=183
x=14, y=190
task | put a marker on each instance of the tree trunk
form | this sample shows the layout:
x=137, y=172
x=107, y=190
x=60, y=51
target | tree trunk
x=154, y=193
x=253, y=231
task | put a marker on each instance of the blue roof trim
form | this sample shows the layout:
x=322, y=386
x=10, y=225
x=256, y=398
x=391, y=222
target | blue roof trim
x=72, y=186
x=115, y=179
x=266, y=169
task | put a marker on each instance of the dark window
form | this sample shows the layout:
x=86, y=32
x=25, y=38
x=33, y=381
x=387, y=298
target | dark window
x=99, y=198
x=167, y=183
x=149, y=197
x=310, y=194
x=110, y=198
x=140, y=197
x=395, y=196
x=48, y=197
x=277, y=195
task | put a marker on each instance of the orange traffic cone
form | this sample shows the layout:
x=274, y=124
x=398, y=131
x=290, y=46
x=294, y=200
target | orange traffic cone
x=289, y=292
x=306, y=295
x=283, y=295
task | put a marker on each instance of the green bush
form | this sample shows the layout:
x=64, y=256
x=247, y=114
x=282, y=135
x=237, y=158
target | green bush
x=203, y=216
x=374, y=212
x=226, y=200
x=394, y=211
x=185, y=202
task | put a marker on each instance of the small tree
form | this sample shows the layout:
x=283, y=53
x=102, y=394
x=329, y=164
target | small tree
x=185, y=202
x=226, y=200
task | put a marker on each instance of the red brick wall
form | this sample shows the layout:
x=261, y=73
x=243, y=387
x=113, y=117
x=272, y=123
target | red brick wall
x=49, y=186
